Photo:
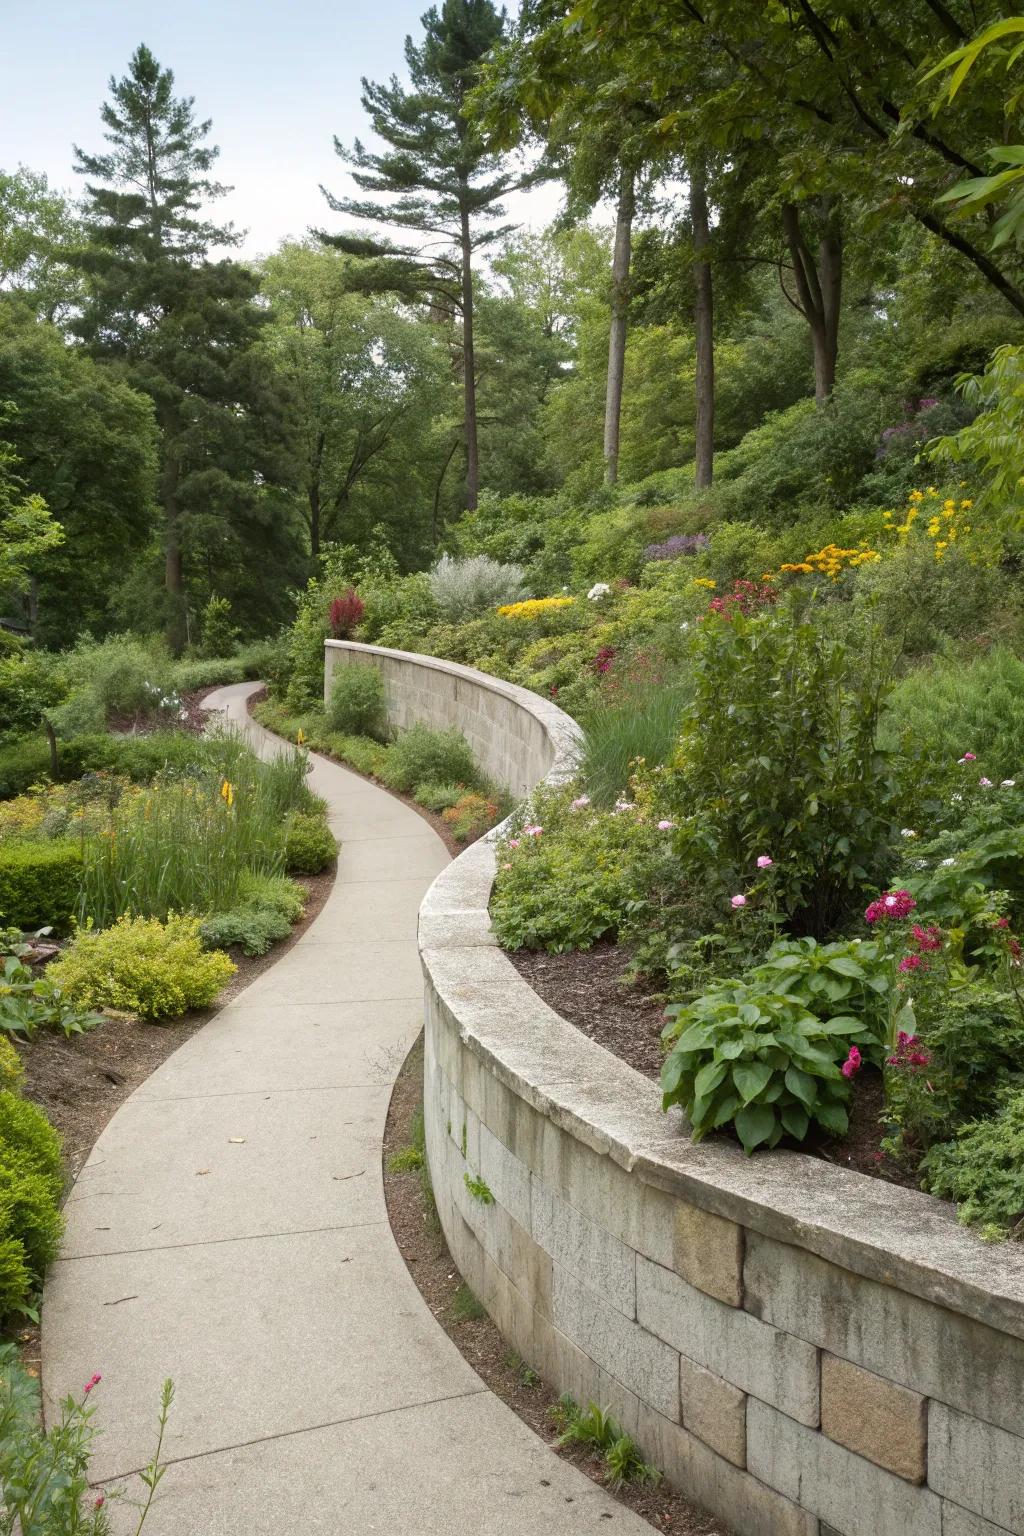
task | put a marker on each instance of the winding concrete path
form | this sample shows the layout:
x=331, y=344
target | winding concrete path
x=229, y=1231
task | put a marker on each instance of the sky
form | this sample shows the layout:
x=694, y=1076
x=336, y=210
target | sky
x=278, y=80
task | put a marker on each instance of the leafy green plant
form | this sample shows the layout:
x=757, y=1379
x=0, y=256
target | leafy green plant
x=31, y=1185
x=358, y=702
x=750, y=1053
x=265, y=914
x=439, y=797
x=951, y=706
x=420, y=756
x=29, y=1002
x=140, y=965
x=471, y=816
x=642, y=722
x=599, y=1432
x=406, y=1160
x=218, y=633
x=40, y=883
x=478, y=1188
x=12, y=1068
x=778, y=756
x=310, y=845
x=983, y=1171
x=44, y=1473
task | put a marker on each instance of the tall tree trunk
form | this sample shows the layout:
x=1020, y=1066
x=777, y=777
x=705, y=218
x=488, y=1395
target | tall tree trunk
x=703, y=323
x=621, y=255
x=819, y=285
x=174, y=578
x=469, y=370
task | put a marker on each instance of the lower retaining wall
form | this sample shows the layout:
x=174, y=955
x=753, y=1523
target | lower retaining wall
x=803, y=1350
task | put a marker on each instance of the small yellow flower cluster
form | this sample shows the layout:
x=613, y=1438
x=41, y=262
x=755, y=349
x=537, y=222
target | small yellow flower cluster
x=705, y=582
x=831, y=561
x=534, y=607
x=21, y=817
x=946, y=522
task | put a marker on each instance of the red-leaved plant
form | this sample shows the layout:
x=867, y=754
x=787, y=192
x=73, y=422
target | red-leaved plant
x=346, y=613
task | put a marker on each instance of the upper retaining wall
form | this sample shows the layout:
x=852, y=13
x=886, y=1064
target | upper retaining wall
x=804, y=1350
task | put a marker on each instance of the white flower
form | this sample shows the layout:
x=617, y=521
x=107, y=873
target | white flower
x=955, y=800
x=908, y=832
x=599, y=589
x=1008, y=783
x=624, y=805
x=685, y=624
x=947, y=862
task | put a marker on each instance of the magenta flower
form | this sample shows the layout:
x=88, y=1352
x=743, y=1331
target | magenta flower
x=93, y=1381
x=910, y=962
x=764, y=862
x=968, y=757
x=738, y=901
x=891, y=906
x=852, y=1063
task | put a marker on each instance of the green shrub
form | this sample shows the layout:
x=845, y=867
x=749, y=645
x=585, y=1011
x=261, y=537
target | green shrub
x=778, y=758
x=22, y=764
x=574, y=881
x=360, y=752
x=358, y=703
x=310, y=845
x=28, y=1140
x=40, y=883
x=265, y=914
x=247, y=664
x=218, y=633
x=983, y=1171
x=463, y=588
x=954, y=598
x=140, y=965
x=123, y=674
x=12, y=1069
x=439, y=797
x=951, y=707
x=420, y=756
x=139, y=758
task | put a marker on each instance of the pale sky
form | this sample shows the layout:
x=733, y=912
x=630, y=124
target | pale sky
x=278, y=80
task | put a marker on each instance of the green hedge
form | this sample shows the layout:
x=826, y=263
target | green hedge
x=22, y=764
x=39, y=883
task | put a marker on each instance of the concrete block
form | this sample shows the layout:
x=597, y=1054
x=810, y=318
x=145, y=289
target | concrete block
x=713, y=1410
x=596, y=1258
x=876, y=1418
x=933, y=1351
x=750, y=1354
x=747, y=1507
x=707, y=1251
x=507, y=1178
x=848, y=1492
x=960, y=1522
x=637, y=1359
x=977, y=1466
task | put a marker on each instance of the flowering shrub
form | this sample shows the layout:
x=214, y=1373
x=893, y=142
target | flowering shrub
x=470, y=816
x=535, y=607
x=746, y=597
x=947, y=519
x=678, y=546
x=831, y=561
x=345, y=613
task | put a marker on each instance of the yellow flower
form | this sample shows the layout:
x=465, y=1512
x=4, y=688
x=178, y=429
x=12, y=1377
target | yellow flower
x=534, y=607
x=965, y=505
x=916, y=496
x=300, y=736
x=227, y=793
x=704, y=581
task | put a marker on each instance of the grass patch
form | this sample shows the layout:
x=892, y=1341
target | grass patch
x=465, y=1308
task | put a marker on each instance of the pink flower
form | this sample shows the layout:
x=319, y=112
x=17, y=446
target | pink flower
x=985, y=783
x=580, y=803
x=764, y=862
x=927, y=938
x=910, y=962
x=665, y=826
x=1003, y=922
x=100, y=1501
x=968, y=757
x=737, y=901
x=93, y=1381
x=892, y=906
x=852, y=1063
x=532, y=831
x=513, y=842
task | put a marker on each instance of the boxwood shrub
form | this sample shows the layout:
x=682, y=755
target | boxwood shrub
x=39, y=883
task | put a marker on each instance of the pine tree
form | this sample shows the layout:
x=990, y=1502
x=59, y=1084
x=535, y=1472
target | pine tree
x=182, y=323
x=438, y=179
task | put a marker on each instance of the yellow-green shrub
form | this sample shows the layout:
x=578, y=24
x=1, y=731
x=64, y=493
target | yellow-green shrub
x=39, y=883
x=30, y=1187
x=11, y=1069
x=140, y=965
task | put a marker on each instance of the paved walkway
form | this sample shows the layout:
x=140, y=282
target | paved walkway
x=229, y=1230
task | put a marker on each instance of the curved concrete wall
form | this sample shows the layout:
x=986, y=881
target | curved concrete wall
x=803, y=1350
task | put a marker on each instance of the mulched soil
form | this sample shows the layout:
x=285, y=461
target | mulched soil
x=587, y=988
x=422, y=1245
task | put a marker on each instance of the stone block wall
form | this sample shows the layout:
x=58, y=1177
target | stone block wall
x=802, y=1350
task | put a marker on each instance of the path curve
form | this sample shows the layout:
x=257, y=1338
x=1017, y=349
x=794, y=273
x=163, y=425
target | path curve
x=229, y=1230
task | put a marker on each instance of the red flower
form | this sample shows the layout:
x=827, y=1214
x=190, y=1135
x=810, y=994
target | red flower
x=345, y=614
x=93, y=1381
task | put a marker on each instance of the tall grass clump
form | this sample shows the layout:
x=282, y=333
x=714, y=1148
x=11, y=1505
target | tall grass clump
x=947, y=709
x=188, y=845
x=463, y=588
x=640, y=722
